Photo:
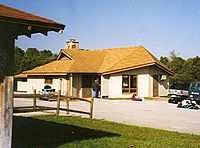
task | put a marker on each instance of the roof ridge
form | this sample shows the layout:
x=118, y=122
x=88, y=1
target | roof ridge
x=114, y=48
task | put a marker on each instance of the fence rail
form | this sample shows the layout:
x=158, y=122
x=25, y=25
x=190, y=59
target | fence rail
x=57, y=97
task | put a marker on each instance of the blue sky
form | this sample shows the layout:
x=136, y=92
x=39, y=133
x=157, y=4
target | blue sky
x=159, y=25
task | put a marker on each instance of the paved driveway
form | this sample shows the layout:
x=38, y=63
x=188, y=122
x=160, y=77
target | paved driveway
x=156, y=114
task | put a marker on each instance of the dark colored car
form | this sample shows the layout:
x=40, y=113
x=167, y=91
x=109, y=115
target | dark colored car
x=194, y=92
x=178, y=92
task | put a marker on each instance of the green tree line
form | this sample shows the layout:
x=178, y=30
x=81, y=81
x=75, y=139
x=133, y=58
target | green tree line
x=31, y=58
x=185, y=70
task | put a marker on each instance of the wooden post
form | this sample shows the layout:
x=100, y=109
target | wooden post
x=58, y=102
x=91, y=107
x=67, y=104
x=6, y=111
x=6, y=83
x=68, y=85
x=34, y=100
x=60, y=84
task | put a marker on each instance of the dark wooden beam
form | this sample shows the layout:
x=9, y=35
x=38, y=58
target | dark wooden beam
x=50, y=26
x=6, y=86
x=17, y=30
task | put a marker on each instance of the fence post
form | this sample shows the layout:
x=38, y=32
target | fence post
x=34, y=100
x=91, y=107
x=67, y=105
x=58, y=102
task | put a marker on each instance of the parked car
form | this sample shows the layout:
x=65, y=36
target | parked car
x=47, y=90
x=178, y=92
x=194, y=92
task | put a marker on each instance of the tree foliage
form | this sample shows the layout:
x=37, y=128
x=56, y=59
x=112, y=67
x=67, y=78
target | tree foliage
x=185, y=71
x=19, y=53
x=31, y=58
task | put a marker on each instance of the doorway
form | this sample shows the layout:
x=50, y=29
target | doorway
x=155, y=85
x=87, y=86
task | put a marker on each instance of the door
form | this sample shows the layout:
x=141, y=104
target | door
x=87, y=86
x=155, y=85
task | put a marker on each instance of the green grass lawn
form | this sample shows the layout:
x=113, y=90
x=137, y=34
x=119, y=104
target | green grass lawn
x=60, y=131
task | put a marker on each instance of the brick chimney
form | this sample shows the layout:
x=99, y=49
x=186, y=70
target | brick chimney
x=72, y=44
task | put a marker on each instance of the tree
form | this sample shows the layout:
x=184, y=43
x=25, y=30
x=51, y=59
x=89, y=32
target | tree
x=192, y=69
x=164, y=60
x=176, y=65
x=30, y=59
x=19, y=53
x=33, y=58
x=47, y=56
x=185, y=71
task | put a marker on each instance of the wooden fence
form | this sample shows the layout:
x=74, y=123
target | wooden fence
x=57, y=97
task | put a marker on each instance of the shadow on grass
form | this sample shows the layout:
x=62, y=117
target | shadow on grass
x=30, y=132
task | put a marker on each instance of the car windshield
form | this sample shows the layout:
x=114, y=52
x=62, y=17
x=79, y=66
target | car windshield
x=47, y=87
x=180, y=86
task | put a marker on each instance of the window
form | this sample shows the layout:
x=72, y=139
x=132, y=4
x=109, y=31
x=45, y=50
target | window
x=198, y=87
x=193, y=87
x=129, y=84
x=48, y=80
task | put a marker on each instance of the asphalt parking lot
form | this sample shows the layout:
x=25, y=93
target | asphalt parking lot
x=155, y=114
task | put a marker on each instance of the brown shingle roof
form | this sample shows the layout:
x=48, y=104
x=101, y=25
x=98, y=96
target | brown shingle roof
x=55, y=67
x=104, y=61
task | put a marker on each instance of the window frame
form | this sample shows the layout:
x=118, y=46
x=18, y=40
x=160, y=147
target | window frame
x=48, y=80
x=130, y=90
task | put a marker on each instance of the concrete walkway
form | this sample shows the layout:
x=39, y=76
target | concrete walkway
x=155, y=114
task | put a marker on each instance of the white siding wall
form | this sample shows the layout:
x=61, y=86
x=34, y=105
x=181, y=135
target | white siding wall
x=56, y=84
x=151, y=86
x=111, y=86
x=21, y=86
x=105, y=85
x=115, y=83
x=80, y=86
x=59, y=83
x=143, y=85
x=38, y=84
x=35, y=83
x=115, y=86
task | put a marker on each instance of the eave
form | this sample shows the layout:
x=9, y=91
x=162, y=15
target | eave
x=138, y=66
x=127, y=68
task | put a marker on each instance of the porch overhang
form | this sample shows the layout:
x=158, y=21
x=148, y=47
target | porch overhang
x=19, y=22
